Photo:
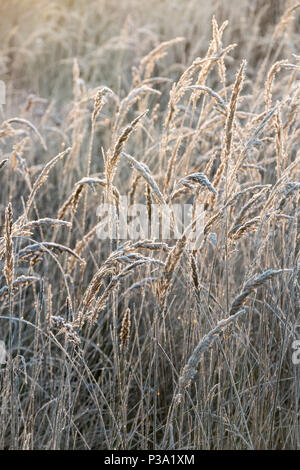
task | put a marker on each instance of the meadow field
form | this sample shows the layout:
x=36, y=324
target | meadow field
x=146, y=342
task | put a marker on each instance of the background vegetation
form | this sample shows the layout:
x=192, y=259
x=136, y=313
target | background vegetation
x=147, y=345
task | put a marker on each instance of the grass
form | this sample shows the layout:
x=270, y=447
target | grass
x=146, y=344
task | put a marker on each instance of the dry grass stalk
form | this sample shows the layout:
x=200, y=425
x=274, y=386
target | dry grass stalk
x=125, y=330
x=80, y=246
x=43, y=177
x=65, y=328
x=210, y=92
x=97, y=282
x=113, y=159
x=148, y=62
x=245, y=208
x=195, y=275
x=242, y=229
x=198, y=179
x=30, y=125
x=280, y=152
x=94, y=286
x=71, y=203
x=9, y=254
x=189, y=370
x=46, y=221
x=231, y=111
x=35, y=250
x=3, y=162
x=285, y=19
x=143, y=169
x=99, y=101
x=21, y=281
x=171, y=264
x=128, y=102
x=253, y=284
x=269, y=82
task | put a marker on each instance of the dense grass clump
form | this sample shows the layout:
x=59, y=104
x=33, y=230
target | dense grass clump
x=145, y=343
